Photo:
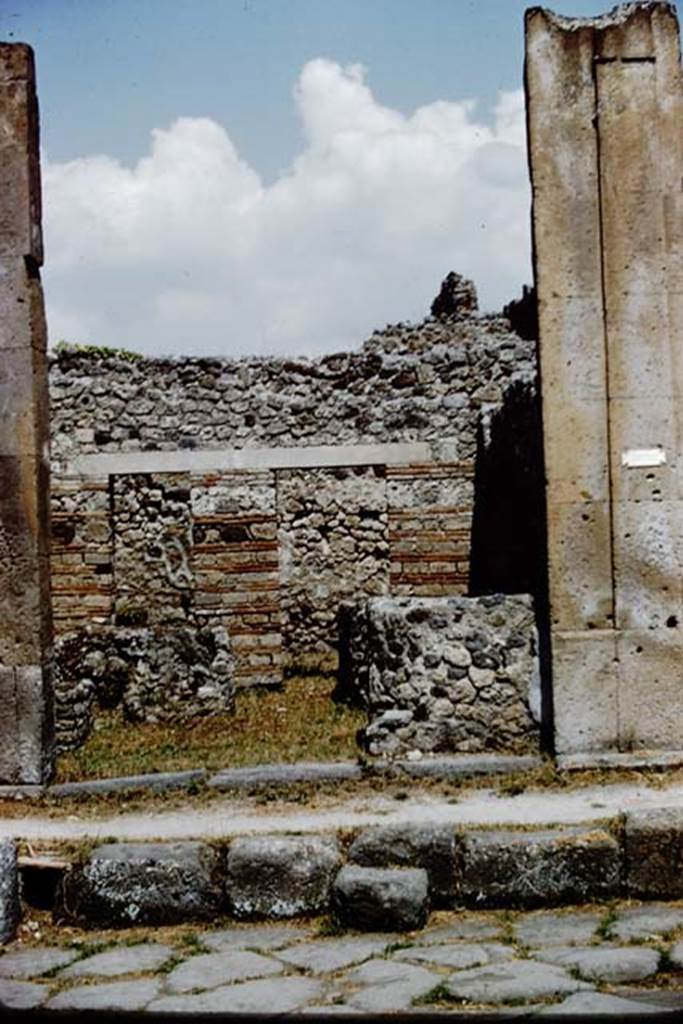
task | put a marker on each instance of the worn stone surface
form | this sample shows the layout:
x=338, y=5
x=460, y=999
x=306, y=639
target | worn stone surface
x=432, y=847
x=388, y=986
x=264, y=937
x=26, y=703
x=284, y=774
x=604, y=963
x=505, y=983
x=10, y=909
x=333, y=954
x=21, y=995
x=213, y=969
x=556, y=929
x=460, y=954
x=607, y=268
x=285, y=994
x=654, y=853
x=112, y=995
x=381, y=899
x=446, y=674
x=598, y=1004
x=532, y=869
x=124, y=884
x=280, y=876
x=147, y=956
x=31, y=963
x=648, y=921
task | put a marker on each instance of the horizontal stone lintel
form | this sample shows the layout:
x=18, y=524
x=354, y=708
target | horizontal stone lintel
x=189, y=460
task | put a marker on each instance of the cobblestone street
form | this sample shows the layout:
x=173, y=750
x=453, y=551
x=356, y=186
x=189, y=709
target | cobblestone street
x=617, y=959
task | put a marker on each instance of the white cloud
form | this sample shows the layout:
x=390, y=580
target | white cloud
x=189, y=252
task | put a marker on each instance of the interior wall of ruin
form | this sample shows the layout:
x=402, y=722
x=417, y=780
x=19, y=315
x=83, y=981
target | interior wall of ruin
x=348, y=476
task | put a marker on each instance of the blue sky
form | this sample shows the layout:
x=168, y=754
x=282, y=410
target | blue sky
x=112, y=72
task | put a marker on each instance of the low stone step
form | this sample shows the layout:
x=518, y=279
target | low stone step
x=381, y=899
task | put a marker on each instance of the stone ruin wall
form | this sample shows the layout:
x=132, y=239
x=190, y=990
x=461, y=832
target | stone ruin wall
x=265, y=554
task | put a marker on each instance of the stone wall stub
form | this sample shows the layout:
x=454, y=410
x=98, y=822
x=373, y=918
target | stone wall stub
x=444, y=674
x=604, y=107
x=26, y=703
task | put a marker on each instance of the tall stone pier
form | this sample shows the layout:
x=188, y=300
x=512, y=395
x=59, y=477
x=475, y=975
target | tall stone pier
x=26, y=727
x=604, y=102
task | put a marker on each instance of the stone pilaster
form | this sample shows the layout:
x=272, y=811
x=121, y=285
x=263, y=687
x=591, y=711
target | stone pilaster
x=26, y=727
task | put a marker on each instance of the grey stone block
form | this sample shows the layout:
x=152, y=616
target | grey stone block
x=508, y=982
x=653, y=842
x=261, y=937
x=598, y=1004
x=557, y=929
x=284, y=774
x=458, y=954
x=147, y=956
x=280, y=876
x=651, y=921
x=531, y=869
x=125, y=884
x=389, y=986
x=214, y=969
x=329, y=955
x=31, y=963
x=21, y=995
x=381, y=899
x=432, y=847
x=9, y=890
x=605, y=963
x=281, y=995
x=155, y=782
x=112, y=995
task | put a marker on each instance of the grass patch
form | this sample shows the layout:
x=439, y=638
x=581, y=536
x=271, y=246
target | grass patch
x=604, y=929
x=298, y=723
x=438, y=994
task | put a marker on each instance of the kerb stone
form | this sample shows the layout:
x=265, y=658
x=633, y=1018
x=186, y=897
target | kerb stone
x=432, y=847
x=654, y=853
x=9, y=890
x=125, y=884
x=280, y=876
x=532, y=869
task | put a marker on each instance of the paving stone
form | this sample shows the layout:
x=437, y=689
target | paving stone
x=539, y=868
x=210, y=970
x=124, y=884
x=651, y=921
x=598, y=1004
x=465, y=928
x=31, y=963
x=114, y=995
x=21, y=995
x=519, y=979
x=553, y=929
x=257, y=937
x=653, y=843
x=381, y=899
x=280, y=876
x=10, y=910
x=124, y=960
x=676, y=955
x=460, y=955
x=605, y=963
x=432, y=847
x=388, y=985
x=327, y=955
x=667, y=998
x=281, y=995
x=331, y=1009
